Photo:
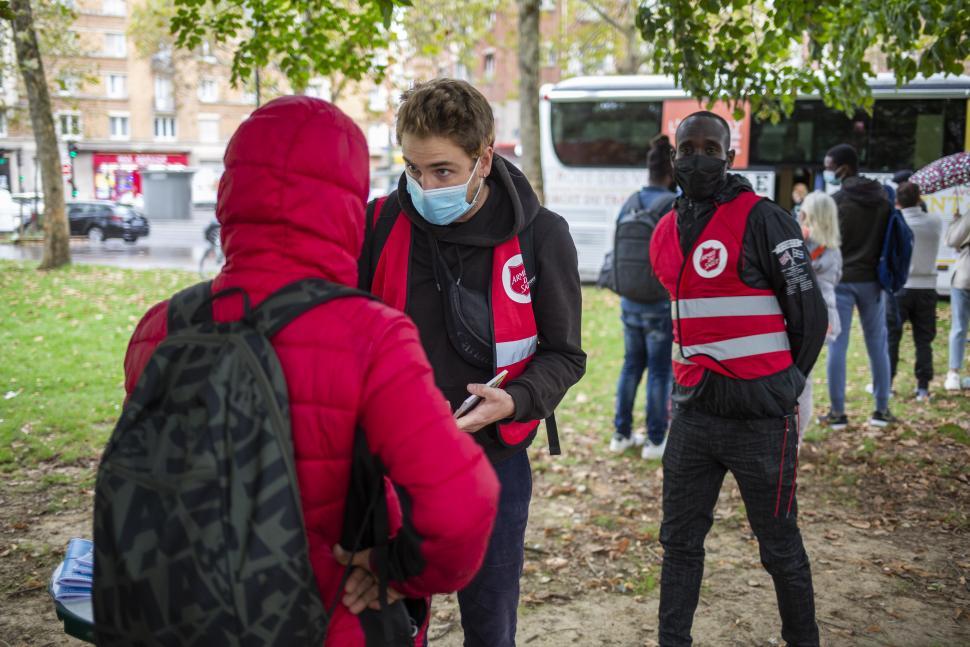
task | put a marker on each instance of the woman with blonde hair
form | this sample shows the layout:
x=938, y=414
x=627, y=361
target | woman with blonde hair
x=819, y=217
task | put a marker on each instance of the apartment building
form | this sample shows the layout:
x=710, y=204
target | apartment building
x=127, y=114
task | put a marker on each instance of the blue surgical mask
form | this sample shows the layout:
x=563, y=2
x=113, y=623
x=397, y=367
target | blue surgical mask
x=831, y=178
x=445, y=205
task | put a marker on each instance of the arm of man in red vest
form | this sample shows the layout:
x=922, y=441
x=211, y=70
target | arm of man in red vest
x=775, y=257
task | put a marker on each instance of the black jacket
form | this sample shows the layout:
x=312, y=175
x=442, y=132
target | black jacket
x=796, y=289
x=511, y=208
x=863, y=215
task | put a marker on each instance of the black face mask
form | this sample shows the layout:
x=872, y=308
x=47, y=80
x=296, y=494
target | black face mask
x=699, y=176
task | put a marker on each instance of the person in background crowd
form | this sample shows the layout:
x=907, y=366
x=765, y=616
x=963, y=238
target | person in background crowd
x=819, y=217
x=749, y=322
x=916, y=302
x=491, y=279
x=798, y=193
x=863, y=217
x=958, y=237
x=647, y=331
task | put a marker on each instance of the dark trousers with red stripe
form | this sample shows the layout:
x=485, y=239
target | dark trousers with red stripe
x=762, y=455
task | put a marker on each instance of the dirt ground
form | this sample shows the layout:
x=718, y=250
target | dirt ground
x=885, y=516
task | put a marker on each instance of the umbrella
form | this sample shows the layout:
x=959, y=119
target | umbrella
x=943, y=173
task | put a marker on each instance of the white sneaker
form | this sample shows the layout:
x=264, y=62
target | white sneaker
x=952, y=382
x=653, y=452
x=619, y=444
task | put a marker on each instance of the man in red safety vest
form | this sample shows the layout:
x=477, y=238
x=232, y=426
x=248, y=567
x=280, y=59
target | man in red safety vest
x=748, y=322
x=491, y=279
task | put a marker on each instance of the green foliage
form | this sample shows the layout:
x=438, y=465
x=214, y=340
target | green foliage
x=304, y=38
x=768, y=53
x=59, y=45
x=434, y=27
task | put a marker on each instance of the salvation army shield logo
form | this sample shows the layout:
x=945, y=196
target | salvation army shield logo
x=710, y=258
x=515, y=281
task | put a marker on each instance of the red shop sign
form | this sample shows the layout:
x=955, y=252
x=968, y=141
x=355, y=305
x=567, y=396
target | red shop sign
x=140, y=160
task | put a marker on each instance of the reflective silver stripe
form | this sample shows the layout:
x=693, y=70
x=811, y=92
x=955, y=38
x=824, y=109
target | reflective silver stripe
x=740, y=346
x=513, y=352
x=725, y=307
x=678, y=357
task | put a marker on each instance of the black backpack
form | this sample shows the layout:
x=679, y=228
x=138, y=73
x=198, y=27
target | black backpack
x=629, y=262
x=198, y=527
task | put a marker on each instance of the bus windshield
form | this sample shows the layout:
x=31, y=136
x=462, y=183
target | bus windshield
x=604, y=133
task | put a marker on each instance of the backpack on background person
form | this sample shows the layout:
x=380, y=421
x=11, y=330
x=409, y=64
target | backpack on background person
x=627, y=270
x=897, y=249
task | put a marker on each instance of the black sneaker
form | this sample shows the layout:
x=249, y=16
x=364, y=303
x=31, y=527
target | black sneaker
x=882, y=419
x=834, y=421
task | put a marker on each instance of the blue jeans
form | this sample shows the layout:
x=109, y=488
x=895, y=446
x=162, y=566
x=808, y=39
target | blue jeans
x=489, y=604
x=960, y=315
x=870, y=299
x=648, y=339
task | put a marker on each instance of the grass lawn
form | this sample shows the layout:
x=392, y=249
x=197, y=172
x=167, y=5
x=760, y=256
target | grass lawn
x=62, y=346
x=64, y=334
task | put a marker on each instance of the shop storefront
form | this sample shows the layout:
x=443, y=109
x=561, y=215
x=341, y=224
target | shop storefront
x=117, y=176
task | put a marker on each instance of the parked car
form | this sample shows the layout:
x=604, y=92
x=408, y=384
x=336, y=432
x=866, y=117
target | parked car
x=100, y=220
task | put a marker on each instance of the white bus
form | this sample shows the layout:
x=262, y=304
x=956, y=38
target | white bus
x=595, y=132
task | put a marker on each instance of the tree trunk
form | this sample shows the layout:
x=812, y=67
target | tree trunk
x=57, y=251
x=529, y=92
x=632, y=58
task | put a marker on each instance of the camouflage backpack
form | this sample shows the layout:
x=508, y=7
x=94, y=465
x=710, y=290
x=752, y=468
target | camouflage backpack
x=198, y=529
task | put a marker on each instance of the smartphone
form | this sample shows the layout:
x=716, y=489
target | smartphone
x=472, y=400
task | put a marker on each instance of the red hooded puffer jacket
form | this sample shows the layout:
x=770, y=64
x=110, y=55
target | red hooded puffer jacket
x=291, y=205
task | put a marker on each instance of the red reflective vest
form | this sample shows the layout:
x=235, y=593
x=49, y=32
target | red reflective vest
x=513, y=322
x=720, y=324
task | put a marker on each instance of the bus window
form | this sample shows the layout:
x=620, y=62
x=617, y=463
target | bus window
x=911, y=133
x=805, y=136
x=604, y=133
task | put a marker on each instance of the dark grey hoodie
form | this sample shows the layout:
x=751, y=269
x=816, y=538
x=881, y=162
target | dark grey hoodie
x=863, y=214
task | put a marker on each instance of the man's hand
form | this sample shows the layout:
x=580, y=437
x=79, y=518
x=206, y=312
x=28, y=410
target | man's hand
x=496, y=405
x=362, y=590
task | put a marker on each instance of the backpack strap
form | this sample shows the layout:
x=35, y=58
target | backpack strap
x=187, y=306
x=381, y=215
x=291, y=301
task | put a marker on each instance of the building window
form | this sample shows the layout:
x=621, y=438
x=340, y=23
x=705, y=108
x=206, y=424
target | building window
x=115, y=45
x=114, y=7
x=208, y=91
x=69, y=125
x=319, y=88
x=490, y=65
x=68, y=85
x=119, y=126
x=117, y=86
x=164, y=96
x=165, y=127
x=377, y=99
x=209, y=129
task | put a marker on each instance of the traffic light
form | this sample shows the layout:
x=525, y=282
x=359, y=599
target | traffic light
x=72, y=150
